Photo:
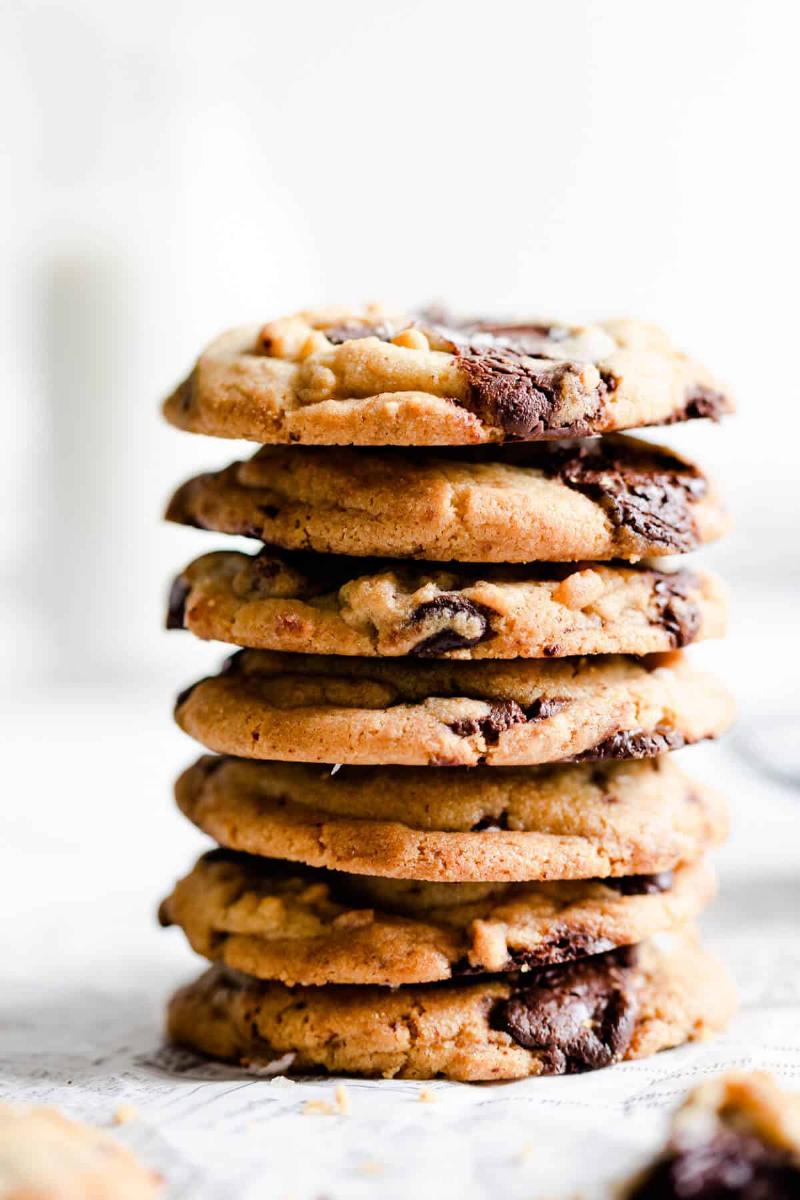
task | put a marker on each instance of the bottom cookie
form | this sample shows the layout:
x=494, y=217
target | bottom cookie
x=627, y=1003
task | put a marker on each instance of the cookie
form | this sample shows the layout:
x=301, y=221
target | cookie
x=457, y=825
x=333, y=709
x=371, y=377
x=46, y=1156
x=614, y=497
x=735, y=1136
x=329, y=605
x=273, y=920
x=626, y=1004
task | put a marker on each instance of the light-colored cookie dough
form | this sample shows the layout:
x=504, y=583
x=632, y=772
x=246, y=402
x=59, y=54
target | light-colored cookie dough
x=331, y=605
x=333, y=709
x=459, y=825
x=600, y=499
x=372, y=377
x=278, y=921
x=628, y=1004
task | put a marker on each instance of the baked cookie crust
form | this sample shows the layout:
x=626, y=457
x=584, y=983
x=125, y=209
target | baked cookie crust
x=273, y=920
x=333, y=709
x=455, y=825
x=627, y=1004
x=347, y=606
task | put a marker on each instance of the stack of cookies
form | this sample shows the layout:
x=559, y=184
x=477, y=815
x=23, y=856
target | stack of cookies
x=452, y=840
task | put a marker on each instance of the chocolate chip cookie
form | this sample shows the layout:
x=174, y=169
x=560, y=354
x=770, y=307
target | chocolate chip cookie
x=736, y=1137
x=46, y=1156
x=333, y=709
x=275, y=920
x=483, y=824
x=351, y=606
x=371, y=377
x=614, y=497
x=580, y=1016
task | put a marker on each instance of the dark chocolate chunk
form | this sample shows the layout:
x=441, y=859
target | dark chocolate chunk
x=703, y=402
x=649, y=493
x=444, y=608
x=545, y=707
x=641, y=885
x=560, y=947
x=492, y=823
x=502, y=715
x=679, y=615
x=176, y=605
x=349, y=331
x=507, y=389
x=578, y=1017
x=628, y=744
x=728, y=1165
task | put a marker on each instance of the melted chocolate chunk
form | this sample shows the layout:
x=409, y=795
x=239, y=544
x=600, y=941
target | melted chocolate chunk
x=545, y=707
x=349, y=331
x=176, y=605
x=502, y=715
x=727, y=1166
x=491, y=823
x=579, y=1017
x=641, y=885
x=627, y=744
x=508, y=390
x=560, y=947
x=703, y=402
x=679, y=615
x=446, y=607
x=649, y=493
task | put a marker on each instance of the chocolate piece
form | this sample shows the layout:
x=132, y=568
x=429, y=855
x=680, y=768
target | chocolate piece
x=702, y=402
x=349, y=331
x=579, y=1017
x=501, y=716
x=627, y=744
x=176, y=605
x=640, y=885
x=491, y=823
x=648, y=493
x=545, y=707
x=447, y=606
x=562, y=947
x=729, y=1165
x=679, y=615
x=509, y=390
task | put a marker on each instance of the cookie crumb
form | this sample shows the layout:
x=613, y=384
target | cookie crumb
x=342, y=1099
x=526, y=1153
x=371, y=1166
x=320, y=1108
x=125, y=1113
x=427, y=1096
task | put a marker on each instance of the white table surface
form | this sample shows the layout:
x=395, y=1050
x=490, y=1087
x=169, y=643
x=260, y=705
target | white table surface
x=90, y=842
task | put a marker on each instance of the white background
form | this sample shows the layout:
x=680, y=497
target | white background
x=177, y=167
x=171, y=168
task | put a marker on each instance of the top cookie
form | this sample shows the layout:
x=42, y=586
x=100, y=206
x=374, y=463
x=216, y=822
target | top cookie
x=338, y=376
